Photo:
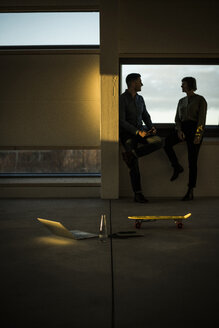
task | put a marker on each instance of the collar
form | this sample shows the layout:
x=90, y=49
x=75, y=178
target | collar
x=129, y=94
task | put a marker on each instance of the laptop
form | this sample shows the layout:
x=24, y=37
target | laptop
x=60, y=230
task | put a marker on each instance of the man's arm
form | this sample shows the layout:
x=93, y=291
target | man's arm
x=146, y=117
x=201, y=121
x=122, y=118
x=178, y=124
x=147, y=120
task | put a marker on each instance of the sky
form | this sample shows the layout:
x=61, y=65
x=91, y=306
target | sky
x=49, y=28
x=162, y=88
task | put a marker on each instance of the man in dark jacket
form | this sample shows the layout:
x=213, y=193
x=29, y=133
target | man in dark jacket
x=137, y=133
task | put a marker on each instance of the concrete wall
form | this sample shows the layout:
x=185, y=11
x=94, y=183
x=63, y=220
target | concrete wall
x=109, y=69
x=166, y=29
x=66, y=4
x=47, y=100
x=169, y=27
x=156, y=172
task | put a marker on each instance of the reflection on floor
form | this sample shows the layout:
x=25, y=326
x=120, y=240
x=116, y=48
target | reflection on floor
x=168, y=277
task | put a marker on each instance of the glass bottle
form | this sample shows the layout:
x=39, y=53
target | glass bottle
x=103, y=228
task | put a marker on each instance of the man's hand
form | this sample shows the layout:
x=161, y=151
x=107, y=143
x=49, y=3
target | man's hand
x=181, y=135
x=142, y=133
x=197, y=140
x=153, y=130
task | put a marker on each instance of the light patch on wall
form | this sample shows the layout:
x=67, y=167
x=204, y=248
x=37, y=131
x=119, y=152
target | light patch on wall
x=92, y=80
x=110, y=113
x=92, y=86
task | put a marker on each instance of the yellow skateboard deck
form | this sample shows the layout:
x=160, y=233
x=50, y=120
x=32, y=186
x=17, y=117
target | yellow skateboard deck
x=177, y=218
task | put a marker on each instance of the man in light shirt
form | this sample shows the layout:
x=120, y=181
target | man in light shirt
x=190, y=122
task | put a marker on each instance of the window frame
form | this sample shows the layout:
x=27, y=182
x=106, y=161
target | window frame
x=49, y=47
x=211, y=131
x=45, y=49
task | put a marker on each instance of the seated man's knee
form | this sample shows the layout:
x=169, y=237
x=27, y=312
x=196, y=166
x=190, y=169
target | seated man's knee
x=129, y=145
x=158, y=142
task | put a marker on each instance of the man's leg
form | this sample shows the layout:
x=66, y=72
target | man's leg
x=171, y=141
x=132, y=162
x=193, y=151
x=129, y=154
x=135, y=176
x=148, y=145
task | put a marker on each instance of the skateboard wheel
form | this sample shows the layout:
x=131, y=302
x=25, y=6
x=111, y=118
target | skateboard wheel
x=138, y=225
x=180, y=225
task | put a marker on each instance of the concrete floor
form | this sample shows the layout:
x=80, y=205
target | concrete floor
x=168, y=278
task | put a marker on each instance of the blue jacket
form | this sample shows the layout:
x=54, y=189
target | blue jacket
x=132, y=114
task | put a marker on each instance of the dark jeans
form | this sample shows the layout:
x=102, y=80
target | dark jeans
x=189, y=129
x=142, y=147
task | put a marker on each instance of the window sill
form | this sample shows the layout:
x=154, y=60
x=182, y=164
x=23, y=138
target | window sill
x=51, y=182
x=210, y=141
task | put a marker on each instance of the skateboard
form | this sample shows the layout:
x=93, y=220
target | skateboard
x=177, y=219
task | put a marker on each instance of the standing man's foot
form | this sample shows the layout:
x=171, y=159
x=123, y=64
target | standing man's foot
x=177, y=170
x=188, y=195
x=139, y=198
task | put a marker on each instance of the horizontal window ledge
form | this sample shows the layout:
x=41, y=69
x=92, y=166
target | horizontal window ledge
x=51, y=182
x=49, y=50
x=206, y=141
x=9, y=147
x=211, y=141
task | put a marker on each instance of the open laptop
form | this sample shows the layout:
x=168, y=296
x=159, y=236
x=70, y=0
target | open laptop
x=58, y=229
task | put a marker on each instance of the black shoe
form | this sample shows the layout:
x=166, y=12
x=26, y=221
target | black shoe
x=139, y=198
x=188, y=195
x=128, y=158
x=177, y=170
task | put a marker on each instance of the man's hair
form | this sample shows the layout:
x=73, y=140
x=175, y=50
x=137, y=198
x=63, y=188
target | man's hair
x=131, y=77
x=191, y=81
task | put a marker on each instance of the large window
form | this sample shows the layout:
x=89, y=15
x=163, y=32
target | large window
x=162, y=87
x=53, y=30
x=49, y=29
x=50, y=162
